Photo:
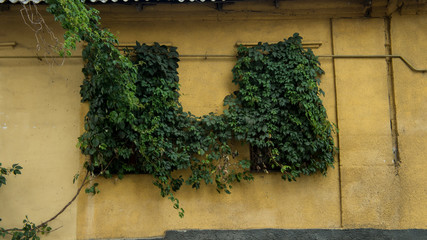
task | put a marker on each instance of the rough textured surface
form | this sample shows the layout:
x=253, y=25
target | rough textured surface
x=411, y=108
x=306, y=234
x=40, y=123
x=370, y=195
x=267, y=202
x=40, y=118
x=291, y=234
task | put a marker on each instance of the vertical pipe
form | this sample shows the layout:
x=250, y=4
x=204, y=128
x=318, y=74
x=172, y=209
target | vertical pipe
x=397, y=188
x=391, y=95
x=336, y=119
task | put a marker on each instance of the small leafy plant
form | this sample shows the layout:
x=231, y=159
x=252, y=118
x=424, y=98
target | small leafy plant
x=15, y=170
x=29, y=231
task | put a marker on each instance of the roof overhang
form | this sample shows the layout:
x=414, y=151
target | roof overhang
x=129, y=1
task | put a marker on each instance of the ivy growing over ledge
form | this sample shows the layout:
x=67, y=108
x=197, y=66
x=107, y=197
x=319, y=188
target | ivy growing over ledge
x=278, y=110
x=176, y=139
x=135, y=123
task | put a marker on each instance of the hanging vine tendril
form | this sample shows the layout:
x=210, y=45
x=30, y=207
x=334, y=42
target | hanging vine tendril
x=47, y=44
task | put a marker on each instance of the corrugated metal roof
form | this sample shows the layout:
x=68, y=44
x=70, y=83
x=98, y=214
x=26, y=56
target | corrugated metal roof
x=114, y=1
x=21, y=1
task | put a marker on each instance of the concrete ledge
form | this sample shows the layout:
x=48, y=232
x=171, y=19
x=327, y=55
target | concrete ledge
x=318, y=234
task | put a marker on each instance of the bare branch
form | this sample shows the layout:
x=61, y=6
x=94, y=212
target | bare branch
x=46, y=41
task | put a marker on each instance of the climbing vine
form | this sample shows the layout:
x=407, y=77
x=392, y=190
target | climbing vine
x=278, y=110
x=176, y=139
x=136, y=124
x=30, y=230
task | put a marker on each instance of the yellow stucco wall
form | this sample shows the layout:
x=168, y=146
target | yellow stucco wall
x=40, y=122
x=364, y=122
x=409, y=40
x=40, y=106
x=312, y=202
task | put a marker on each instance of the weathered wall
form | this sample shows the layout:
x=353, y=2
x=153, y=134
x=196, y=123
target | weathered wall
x=370, y=191
x=364, y=190
x=409, y=40
x=312, y=202
x=40, y=123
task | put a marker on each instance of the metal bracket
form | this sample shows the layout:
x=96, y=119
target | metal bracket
x=394, y=6
x=312, y=45
x=219, y=6
x=8, y=44
x=367, y=11
x=139, y=7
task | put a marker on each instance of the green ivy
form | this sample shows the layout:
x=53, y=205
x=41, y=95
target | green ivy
x=176, y=140
x=135, y=123
x=29, y=231
x=278, y=111
x=15, y=170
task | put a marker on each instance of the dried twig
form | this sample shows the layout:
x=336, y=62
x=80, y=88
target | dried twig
x=50, y=45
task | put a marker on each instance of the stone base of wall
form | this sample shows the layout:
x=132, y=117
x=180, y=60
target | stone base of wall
x=293, y=234
x=272, y=234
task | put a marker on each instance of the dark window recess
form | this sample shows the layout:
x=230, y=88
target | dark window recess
x=260, y=159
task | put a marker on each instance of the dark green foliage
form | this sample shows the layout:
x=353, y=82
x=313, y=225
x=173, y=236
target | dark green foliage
x=92, y=189
x=28, y=232
x=135, y=123
x=109, y=87
x=174, y=139
x=278, y=111
x=15, y=170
